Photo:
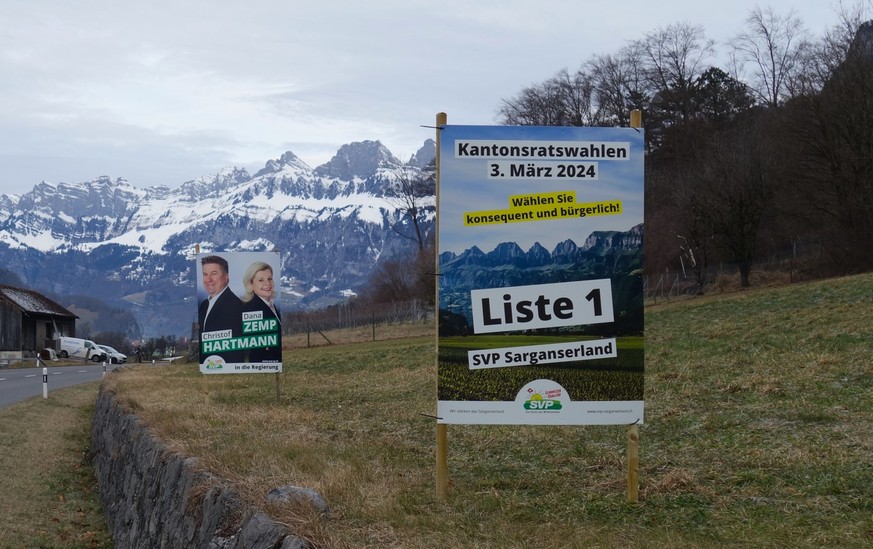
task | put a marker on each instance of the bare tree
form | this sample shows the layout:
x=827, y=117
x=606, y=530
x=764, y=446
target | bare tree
x=823, y=58
x=563, y=100
x=620, y=85
x=775, y=46
x=392, y=281
x=673, y=58
x=835, y=175
x=738, y=180
x=536, y=105
x=404, y=279
x=695, y=224
x=578, y=98
x=410, y=193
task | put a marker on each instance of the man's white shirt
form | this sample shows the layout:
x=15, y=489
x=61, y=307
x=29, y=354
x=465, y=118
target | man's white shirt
x=210, y=302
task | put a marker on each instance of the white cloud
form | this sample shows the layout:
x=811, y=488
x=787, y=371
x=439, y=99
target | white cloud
x=164, y=91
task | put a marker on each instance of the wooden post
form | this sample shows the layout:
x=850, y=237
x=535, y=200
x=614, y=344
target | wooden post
x=442, y=461
x=277, y=387
x=636, y=118
x=633, y=463
x=200, y=328
x=633, y=431
x=442, y=465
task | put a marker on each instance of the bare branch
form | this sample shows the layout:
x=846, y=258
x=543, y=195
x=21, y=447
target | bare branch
x=774, y=45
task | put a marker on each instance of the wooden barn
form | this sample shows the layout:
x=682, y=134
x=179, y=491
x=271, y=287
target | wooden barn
x=29, y=322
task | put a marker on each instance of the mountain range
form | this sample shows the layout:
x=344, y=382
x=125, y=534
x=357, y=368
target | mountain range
x=135, y=248
x=616, y=255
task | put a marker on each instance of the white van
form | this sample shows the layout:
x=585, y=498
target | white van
x=80, y=348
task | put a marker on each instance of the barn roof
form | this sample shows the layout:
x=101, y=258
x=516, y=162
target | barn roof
x=32, y=303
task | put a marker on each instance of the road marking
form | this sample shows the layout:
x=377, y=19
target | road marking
x=31, y=375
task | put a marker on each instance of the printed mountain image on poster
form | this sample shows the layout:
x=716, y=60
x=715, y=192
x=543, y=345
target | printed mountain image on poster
x=540, y=275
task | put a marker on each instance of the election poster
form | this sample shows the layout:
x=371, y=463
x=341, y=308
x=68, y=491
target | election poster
x=239, y=316
x=540, y=237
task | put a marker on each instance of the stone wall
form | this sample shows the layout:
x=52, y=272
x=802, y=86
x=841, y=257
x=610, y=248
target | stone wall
x=154, y=498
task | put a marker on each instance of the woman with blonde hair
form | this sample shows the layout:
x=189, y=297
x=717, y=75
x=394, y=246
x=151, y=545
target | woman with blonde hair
x=260, y=296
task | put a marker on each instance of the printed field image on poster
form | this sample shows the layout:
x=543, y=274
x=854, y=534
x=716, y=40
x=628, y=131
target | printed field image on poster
x=540, y=275
x=239, y=313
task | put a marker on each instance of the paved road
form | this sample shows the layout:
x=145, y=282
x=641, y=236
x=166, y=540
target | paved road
x=21, y=383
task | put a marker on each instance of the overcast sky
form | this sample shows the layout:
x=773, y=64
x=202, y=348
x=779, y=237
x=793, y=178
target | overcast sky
x=161, y=92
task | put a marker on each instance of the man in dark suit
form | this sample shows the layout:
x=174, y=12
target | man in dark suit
x=222, y=309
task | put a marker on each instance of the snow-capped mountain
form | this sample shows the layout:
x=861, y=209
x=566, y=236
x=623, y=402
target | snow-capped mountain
x=617, y=255
x=135, y=247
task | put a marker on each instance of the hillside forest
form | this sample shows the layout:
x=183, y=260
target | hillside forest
x=764, y=163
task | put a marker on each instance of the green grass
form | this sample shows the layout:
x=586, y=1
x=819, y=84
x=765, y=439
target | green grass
x=757, y=434
x=48, y=493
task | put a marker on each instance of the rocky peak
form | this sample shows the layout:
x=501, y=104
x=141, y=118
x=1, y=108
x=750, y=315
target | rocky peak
x=864, y=39
x=361, y=159
x=506, y=252
x=101, y=196
x=614, y=240
x=214, y=185
x=424, y=156
x=287, y=160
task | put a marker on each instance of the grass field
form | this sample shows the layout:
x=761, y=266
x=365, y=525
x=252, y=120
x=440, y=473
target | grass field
x=757, y=434
x=758, y=410
x=48, y=493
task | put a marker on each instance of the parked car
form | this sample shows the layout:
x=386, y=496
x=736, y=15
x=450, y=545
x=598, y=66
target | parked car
x=80, y=348
x=113, y=356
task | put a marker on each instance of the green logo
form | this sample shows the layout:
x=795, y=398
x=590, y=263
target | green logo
x=537, y=402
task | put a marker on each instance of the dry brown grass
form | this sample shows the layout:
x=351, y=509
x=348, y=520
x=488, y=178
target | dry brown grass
x=320, y=436
x=48, y=494
x=361, y=334
x=757, y=403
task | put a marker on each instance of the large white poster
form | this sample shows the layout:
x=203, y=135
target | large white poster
x=540, y=275
x=239, y=313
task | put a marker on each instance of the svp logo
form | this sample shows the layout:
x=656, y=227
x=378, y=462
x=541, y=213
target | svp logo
x=536, y=402
x=214, y=362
